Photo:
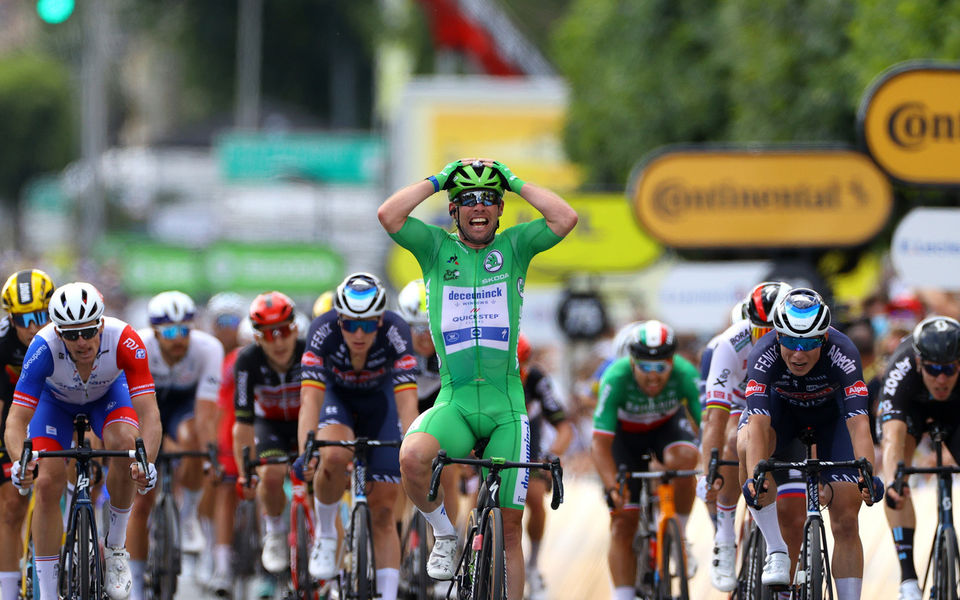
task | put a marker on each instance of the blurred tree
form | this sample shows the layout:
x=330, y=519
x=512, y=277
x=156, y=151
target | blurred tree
x=37, y=128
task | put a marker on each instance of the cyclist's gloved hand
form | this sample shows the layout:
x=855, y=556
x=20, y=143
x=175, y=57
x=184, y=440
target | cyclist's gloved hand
x=877, y=488
x=750, y=498
x=151, y=476
x=297, y=468
x=16, y=477
x=514, y=183
x=702, y=487
x=439, y=180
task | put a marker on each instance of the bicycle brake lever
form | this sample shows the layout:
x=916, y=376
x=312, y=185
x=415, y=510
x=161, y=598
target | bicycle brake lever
x=556, y=471
x=24, y=461
x=438, y=463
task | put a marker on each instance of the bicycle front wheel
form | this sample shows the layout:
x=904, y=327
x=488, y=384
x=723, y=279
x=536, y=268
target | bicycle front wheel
x=749, y=586
x=673, y=564
x=163, y=558
x=946, y=568
x=414, y=581
x=491, y=572
x=362, y=572
x=816, y=584
x=302, y=582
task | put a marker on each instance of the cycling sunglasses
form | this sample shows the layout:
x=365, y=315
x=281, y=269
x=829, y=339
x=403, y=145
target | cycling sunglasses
x=352, y=325
x=228, y=321
x=473, y=197
x=173, y=332
x=936, y=369
x=276, y=332
x=651, y=366
x=72, y=335
x=802, y=344
x=40, y=317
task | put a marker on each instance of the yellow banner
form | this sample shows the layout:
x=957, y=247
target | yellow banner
x=773, y=198
x=605, y=239
x=910, y=119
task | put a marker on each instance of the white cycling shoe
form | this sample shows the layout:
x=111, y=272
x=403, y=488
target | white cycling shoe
x=535, y=587
x=692, y=563
x=723, y=567
x=323, y=559
x=776, y=569
x=276, y=555
x=117, y=577
x=910, y=590
x=191, y=536
x=441, y=564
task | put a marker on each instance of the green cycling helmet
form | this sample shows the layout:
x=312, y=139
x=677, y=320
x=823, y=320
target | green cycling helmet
x=474, y=176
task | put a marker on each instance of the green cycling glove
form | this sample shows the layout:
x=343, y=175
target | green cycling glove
x=514, y=183
x=439, y=180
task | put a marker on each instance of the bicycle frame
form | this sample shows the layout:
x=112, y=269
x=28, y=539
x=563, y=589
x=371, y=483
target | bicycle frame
x=944, y=494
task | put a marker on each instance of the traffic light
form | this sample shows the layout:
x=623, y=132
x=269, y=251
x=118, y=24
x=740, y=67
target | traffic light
x=55, y=11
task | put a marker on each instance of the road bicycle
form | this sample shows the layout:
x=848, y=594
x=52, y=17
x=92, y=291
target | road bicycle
x=482, y=568
x=357, y=579
x=659, y=542
x=415, y=584
x=300, y=536
x=752, y=547
x=163, y=557
x=944, y=560
x=813, y=578
x=81, y=563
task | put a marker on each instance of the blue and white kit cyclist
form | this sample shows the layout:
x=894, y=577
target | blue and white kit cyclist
x=808, y=374
x=85, y=363
x=359, y=377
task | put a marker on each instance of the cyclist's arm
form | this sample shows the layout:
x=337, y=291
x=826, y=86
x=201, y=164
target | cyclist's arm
x=859, y=428
x=563, y=438
x=758, y=441
x=148, y=414
x=132, y=358
x=560, y=216
x=893, y=445
x=395, y=209
x=208, y=388
x=16, y=429
x=601, y=451
x=38, y=364
x=406, y=398
x=242, y=437
x=311, y=399
x=718, y=397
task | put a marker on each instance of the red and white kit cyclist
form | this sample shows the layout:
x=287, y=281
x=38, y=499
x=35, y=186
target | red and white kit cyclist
x=185, y=363
x=85, y=363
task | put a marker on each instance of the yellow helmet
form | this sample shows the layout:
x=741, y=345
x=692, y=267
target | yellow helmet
x=323, y=304
x=27, y=291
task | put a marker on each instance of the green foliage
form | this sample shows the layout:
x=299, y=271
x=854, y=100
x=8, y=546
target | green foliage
x=37, y=127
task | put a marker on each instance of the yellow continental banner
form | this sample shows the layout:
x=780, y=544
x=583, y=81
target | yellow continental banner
x=605, y=239
x=910, y=121
x=773, y=198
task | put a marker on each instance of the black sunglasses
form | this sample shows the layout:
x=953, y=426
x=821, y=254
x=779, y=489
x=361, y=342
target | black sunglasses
x=473, y=197
x=936, y=369
x=72, y=335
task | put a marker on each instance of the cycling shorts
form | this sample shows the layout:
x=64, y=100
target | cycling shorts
x=274, y=438
x=628, y=448
x=173, y=413
x=460, y=418
x=369, y=414
x=51, y=427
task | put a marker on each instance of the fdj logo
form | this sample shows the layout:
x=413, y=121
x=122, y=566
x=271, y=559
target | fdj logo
x=493, y=262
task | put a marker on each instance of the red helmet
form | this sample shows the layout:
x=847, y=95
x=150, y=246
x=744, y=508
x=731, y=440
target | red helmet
x=271, y=308
x=523, y=348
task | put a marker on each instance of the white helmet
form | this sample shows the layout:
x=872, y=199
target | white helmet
x=739, y=312
x=802, y=313
x=227, y=303
x=360, y=296
x=170, y=307
x=621, y=341
x=412, y=302
x=76, y=303
x=245, y=331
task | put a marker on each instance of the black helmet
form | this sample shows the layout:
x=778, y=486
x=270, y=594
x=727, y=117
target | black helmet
x=763, y=299
x=652, y=340
x=937, y=339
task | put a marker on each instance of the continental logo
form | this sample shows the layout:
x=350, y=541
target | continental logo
x=910, y=122
x=706, y=198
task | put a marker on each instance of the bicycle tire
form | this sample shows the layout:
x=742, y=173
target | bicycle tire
x=302, y=582
x=749, y=585
x=414, y=581
x=246, y=539
x=946, y=569
x=89, y=581
x=644, y=583
x=492, y=572
x=163, y=556
x=361, y=578
x=468, y=562
x=815, y=576
x=673, y=564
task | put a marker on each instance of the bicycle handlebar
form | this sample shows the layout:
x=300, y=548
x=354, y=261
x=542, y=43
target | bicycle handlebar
x=497, y=465
x=666, y=475
x=713, y=467
x=139, y=453
x=814, y=465
x=900, y=478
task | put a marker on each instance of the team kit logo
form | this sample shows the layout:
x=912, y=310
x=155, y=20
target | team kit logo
x=493, y=262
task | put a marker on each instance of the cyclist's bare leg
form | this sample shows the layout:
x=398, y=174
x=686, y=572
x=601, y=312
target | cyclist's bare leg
x=416, y=457
x=450, y=484
x=47, y=518
x=537, y=519
x=620, y=557
x=844, y=511
x=13, y=510
x=270, y=489
x=792, y=514
x=386, y=542
x=513, y=549
x=682, y=455
x=121, y=487
x=226, y=501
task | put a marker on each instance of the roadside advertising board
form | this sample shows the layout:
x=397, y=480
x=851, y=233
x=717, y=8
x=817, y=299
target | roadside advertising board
x=909, y=121
x=925, y=251
x=761, y=197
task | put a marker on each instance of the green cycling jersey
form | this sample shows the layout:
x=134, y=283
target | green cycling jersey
x=474, y=297
x=621, y=402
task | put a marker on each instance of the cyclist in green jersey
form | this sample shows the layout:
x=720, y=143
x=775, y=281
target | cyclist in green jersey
x=642, y=406
x=474, y=279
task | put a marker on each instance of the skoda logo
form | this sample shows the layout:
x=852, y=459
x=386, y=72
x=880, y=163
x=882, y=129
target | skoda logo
x=493, y=262
x=520, y=286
